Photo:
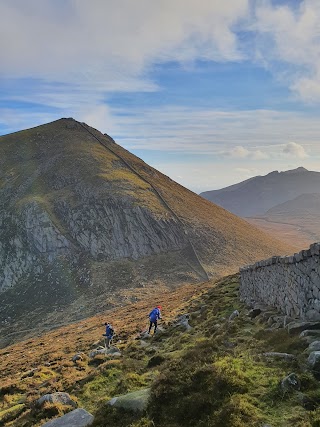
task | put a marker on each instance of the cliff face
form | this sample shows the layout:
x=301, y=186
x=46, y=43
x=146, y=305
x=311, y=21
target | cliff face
x=81, y=219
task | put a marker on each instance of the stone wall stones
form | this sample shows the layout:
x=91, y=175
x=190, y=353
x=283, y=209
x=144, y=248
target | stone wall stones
x=290, y=283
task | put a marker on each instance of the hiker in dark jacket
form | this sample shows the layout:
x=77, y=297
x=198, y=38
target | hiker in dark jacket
x=154, y=315
x=109, y=334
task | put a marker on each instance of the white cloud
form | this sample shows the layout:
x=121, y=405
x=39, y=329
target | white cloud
x=288, y=43
x=259, y=155
x=295, y=150
x=240, y=152
x=106, y=39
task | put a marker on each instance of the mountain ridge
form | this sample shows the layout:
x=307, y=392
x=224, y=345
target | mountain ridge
x=253, y=197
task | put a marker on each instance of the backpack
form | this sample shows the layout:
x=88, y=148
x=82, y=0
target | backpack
x=110, y=331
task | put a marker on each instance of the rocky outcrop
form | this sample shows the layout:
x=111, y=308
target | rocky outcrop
x=77, y=418
x=291, y=284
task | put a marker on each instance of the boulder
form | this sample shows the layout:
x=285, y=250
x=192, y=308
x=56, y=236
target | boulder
x=136, y=401
x=314, y=346
x=77, y=418
x=290, y=382
x=314, y=360
x=58, y=397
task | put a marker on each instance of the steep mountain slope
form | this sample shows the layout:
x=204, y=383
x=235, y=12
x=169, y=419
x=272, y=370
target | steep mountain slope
x=81, y=219
x=255, y=196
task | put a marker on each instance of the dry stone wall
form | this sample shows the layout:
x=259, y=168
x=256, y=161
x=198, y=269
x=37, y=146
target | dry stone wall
x=290, y=283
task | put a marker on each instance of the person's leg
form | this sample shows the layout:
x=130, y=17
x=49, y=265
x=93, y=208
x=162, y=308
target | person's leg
x=150, y=326
x=155, y=326
x=108, y=342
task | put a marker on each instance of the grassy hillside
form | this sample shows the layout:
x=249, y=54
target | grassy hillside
x=214, y=375
x=290, y=233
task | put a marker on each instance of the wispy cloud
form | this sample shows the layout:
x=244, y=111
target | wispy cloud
x=288, y=42
x=240, y=152
x=255, y=134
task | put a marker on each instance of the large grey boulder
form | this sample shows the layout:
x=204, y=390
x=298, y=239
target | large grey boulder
x=136, y=401
x=314, y=360
x=77, y=418
x=58, y=397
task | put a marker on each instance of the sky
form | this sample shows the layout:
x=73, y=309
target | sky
x=210, y=92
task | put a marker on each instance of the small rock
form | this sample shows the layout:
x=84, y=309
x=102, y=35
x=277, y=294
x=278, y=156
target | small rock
x=290, y=382
x=77, y=418
x=77, y=357
x=233, y=315
x=58, y=397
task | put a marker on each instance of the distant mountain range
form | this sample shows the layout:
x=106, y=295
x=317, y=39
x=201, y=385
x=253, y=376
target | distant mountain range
x=284, y=204
x=83, y=220
x=255, y=196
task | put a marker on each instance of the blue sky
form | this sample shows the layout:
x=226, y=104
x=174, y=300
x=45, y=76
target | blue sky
x=209, y=92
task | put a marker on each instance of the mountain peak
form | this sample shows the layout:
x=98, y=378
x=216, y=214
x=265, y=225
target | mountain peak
x=297, y=170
